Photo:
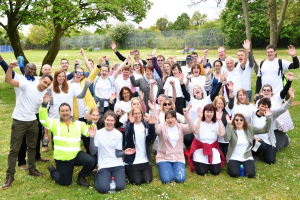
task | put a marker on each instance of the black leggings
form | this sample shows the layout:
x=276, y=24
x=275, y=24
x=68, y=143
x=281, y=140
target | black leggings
x=179, y=105
x=233, y=168
x=188, y=139
x=224, y=148
x=268, y=152
x=282, y=139
x=139, y=173
x=202, y=168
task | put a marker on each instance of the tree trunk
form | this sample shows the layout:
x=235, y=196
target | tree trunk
x=54, y=48
x=14, y=38
x=273, y=22
x=280, y=22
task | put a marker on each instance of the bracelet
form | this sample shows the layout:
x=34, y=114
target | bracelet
x=98, y=66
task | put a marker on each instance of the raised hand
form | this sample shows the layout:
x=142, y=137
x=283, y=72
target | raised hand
x=290, y=76
x=199, y=59
x=219, y=115
x=118, y=111
x=228, y=119
x=100, y=60
x=206, y=51
x=128, y=58
x=208, y=69
x=172, y=83
x=186, y=110
x=141, y=95
x=174, y=59
x=292, y=94
x=146, y=117
x=106, y=58
x=151, y=105
x=223, y=77
x=130, y=117
x=92, y=130
x=129, y=151
x=131, y=52
x=82, y=51
x=292, y=50
x=268, y=112
x=180, y=77
x=113, y=96
x=154, y=51
x=153, y=119
x=88, y=117
x=246, y=44
x=230, y=85
x=190, y=76
x=13, y=64
x=46, y=98
x=113, y=46
x=200, y=113
x=153, y=83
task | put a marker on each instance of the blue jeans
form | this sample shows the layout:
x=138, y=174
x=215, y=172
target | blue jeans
x=103, y=178
x=169, y=171
x=249, y=92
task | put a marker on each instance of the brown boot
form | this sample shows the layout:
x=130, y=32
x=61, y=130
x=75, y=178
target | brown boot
x=23, y=167
x=36, y=173
x=8, y=182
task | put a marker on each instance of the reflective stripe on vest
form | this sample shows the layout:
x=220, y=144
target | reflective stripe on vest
x=66, y=148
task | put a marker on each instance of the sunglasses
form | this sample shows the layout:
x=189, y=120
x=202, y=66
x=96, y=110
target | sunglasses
x=266, y=90
x=189, y=60
x=149, y=59
x=137, y=65
x=80, y=73
x=167, y=104
x=160, y=60
x=239, y=120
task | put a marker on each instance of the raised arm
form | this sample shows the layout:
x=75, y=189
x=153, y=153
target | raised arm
x=121, y=66
x=287, y=86
x=4, y=66
x=87, y=63
x=198, y=121
x=43, y=114
x=220, y=124
x=189, y=127
x=8, y=77
x=292, y=52
x=229, y=129
x=246, y=46
x=156, y=67
x=114, y=48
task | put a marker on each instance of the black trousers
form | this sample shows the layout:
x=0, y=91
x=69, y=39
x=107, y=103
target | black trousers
x=233, y=168
x=282, y=139
x=64, y=169
x=202, y=168
x=268, y=152
x=85, y=139
x=224, y=148
x=139, y=173
x=188, y=139
x=179, y=104
x=23, y=149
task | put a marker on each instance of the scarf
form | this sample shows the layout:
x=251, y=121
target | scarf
x=30, y=78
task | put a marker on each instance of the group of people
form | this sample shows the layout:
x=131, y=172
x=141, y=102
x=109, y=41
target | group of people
x=202, y=112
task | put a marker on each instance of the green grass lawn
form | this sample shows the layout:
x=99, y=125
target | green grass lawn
x=278, y=181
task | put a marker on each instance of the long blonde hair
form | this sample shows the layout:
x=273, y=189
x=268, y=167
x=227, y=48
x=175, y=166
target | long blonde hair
x=165, y=74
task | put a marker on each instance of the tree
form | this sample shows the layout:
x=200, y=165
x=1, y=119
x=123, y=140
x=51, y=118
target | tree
x=119, y=32
x=38, y=35
x=182, y=22
x=198, y=19
x=162, y=24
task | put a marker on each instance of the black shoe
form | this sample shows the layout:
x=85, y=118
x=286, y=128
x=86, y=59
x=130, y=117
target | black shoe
x=82, y=181
x=94, y=172
x=256, y=158
x=51, y=168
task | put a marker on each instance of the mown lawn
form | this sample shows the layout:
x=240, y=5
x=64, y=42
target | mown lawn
x=278, y=181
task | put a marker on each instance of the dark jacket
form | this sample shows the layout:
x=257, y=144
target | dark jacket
x=130, y=138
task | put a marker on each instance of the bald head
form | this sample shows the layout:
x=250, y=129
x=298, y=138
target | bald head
x=30, y=70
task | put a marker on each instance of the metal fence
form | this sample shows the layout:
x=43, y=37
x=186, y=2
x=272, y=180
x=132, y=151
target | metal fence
x=198, y=38
x=6, y=49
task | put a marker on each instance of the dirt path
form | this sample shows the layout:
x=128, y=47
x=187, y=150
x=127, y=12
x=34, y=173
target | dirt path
x=295, y=103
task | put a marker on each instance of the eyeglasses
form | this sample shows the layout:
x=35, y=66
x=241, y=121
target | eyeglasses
x=218, y=65
x=270, y=51
x=160, y=60
x=167, y=104
x=189, y=60
x=149, y=59
x=239, y=120
x=80, y=73
x=137, y=113
x=137, y=65
x=266, y=90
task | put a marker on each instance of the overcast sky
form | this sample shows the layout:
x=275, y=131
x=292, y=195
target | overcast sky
x=169, y=9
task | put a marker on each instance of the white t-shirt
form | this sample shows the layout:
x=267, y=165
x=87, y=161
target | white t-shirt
x=80, y=102
x=269, y=74
x=196, y=104
x=155, y=89
x=180, y=118
x=120, y=83
x=140, y=144
x=28, y=102
x=236, y=77
x=246, y=76
x=246, y=110
x=260, y=122
x=104, y=88
x=108, y=142
x=126, y=106
x=21, y=78
x=173, y=134
x=241, y=147
x=136, y=77
x=200, y=80
x=177, y=86
x=63, y=98
x=208, y=133
x=186, y=70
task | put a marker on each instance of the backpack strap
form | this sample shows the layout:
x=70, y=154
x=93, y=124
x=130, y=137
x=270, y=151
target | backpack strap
x=280, y=70
x=261, y=63
x=235, y=64
x=97, y=81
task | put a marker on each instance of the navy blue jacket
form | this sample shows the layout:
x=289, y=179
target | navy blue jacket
x=130, y=137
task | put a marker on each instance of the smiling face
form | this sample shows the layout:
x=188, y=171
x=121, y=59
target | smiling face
x=30, y=70
x=240, y=56
x=137, y=67
x=61, y=78
x=218, y=67
x=149, y=60
x=222, y=53
x=104, y=72
x=160, y=100
x=175, y=71
x=126, y=95
x=220, y=104
x=167, y=68
x=271, y=54
x=262, y=109
x=208, y=115
x=135, y=103
x=267, y=92
x=195, y=57
x=137, y=114
x=167, y=105
x=64, y=65
x=160, y=61
x=109, y=123
x=197, y=92
x=239, y=122
x=95, y=116
x=46, y=69
x=229, y=64
x=136, y=56
x=44, y=83
x=65, y=112
x=149, y=74
x=79, y=75
x=242, y=97
x=125, y=74
x=196, y=71
x=171, y=120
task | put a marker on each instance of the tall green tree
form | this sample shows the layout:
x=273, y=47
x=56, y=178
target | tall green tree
x=182, y=22
x=162, y=24
x=118, y=33
x=198, y=19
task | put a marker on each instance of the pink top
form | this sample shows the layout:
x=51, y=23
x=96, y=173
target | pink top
x=165, y=149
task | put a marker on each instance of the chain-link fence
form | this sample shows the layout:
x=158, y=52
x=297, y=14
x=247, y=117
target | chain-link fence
x=198, y=38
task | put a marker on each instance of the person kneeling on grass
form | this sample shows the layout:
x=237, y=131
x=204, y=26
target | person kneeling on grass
x=67, y=145
x=240, y=135
x=108, y=144
x=170, y=159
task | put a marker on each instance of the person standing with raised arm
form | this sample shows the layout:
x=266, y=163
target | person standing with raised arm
x=25, y=122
